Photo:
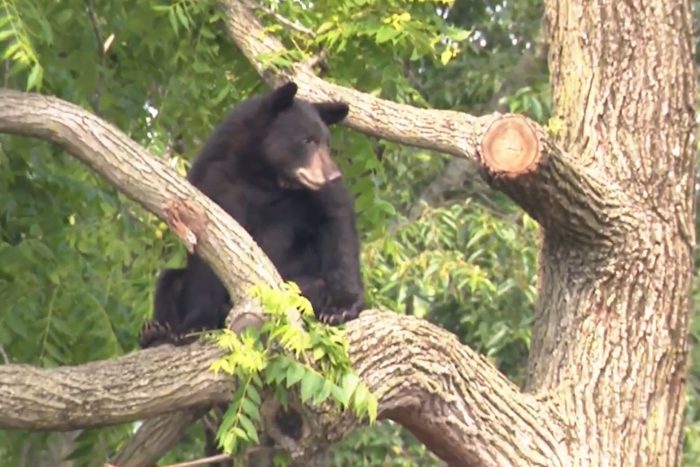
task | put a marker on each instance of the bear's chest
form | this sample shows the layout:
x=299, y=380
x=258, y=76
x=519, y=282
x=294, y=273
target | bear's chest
x=283, y=224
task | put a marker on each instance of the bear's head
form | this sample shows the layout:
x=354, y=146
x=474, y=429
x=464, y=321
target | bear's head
x=296, y=141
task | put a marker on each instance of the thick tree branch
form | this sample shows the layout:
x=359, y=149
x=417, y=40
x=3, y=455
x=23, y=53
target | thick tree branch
x=452, y=399
x=417, y=370
x=368, y=114
x=197, y=220
x=531, y=62
x=564, y=196
x=200, y=223
x=132, y=387
x=156, y=437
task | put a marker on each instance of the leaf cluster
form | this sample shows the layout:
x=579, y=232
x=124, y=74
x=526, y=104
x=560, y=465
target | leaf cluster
x=281, y=356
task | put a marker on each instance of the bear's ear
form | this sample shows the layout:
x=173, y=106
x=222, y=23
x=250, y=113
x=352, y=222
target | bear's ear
x=332, y=112
x=282, y=97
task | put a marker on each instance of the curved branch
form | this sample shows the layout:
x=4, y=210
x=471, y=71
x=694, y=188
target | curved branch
x=450, y=397
x=563, y=195
x=199, y=222
x=417, y=370
x=441, y=130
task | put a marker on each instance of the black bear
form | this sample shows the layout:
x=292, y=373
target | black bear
x=268, y=165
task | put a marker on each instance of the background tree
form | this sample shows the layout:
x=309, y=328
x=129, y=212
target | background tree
x=458, y=255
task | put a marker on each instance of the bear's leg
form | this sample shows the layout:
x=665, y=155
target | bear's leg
x=166, y=313
x=339, y=250
x=204, y=300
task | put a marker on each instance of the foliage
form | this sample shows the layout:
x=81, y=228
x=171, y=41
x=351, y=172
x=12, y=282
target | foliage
x=465, y=270
x=387, y=445
x=14, y=33
x=320, y=369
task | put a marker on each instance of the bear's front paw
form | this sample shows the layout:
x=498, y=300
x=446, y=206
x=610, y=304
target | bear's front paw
x=154, y=333
x=336, y=316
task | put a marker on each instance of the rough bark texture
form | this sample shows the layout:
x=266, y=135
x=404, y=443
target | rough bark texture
x=135, y=386
x=611, y=321
x=155, y=437
x=613, y=195
x=422, y=377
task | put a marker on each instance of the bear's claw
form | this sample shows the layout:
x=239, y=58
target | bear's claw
x=154, y=333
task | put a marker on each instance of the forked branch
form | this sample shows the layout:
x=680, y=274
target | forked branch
x=451, y=398
x=565, y=197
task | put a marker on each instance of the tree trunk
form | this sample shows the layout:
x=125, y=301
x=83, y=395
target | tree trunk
x=610, y=331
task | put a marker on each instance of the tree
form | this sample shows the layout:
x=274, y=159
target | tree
x=610, y=182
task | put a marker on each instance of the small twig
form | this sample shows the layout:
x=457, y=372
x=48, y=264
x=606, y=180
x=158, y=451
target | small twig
x=101, y=51
x=95, y=29
x=5, y=357
x=6, y=73
x=319, y=61
x=294, y=25
x=202, y=461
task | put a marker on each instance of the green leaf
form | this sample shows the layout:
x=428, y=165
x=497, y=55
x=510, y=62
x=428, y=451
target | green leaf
x=458, y=35
x=240, y=434
x=6, y=34
x=360, y=400
x=386, y=33
x=16, y=324
x=348, y=385
x=446, y=56
x=310, y=385
x=295, y=372
x=250, y=431
x=172, y=17
x=250, y=409
x=227, y=422
x=253, y=394
x=14, y=50
x=181, y=16
x=497, y=338
x=318, y=353
x=228, y=443
x=372, y=407
x=324, y=392
x=161, y=8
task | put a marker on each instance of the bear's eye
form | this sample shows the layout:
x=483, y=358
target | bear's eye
x=309, y=140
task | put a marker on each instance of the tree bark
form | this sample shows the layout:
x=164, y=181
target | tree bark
x=132, y=387
x=610, y=331
x=422, y=376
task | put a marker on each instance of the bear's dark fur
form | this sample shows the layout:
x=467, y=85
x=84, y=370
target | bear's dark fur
x=268, y=165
